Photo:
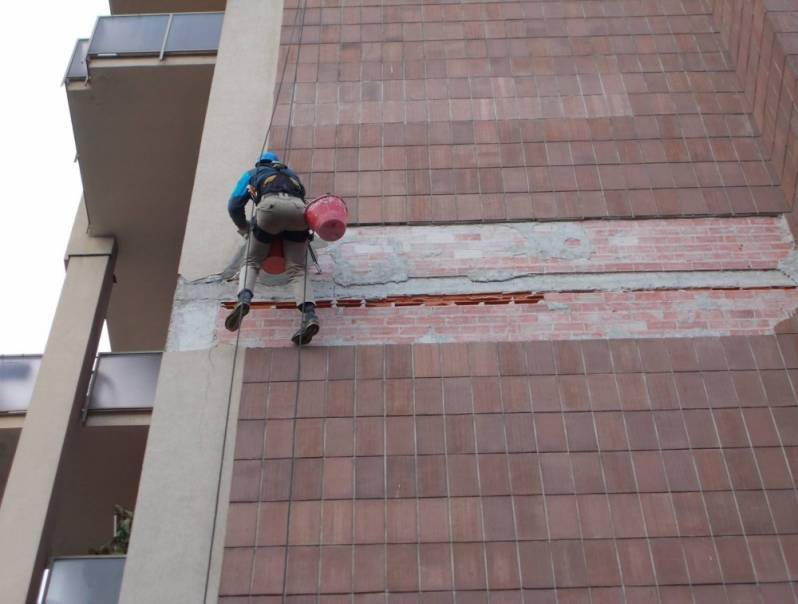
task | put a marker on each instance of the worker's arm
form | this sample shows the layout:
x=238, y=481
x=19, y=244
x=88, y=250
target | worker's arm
x=238, y=201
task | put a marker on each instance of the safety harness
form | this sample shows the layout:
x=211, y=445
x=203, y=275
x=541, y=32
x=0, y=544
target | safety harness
x=264, y=237
x=270, y=179
x=274, y=177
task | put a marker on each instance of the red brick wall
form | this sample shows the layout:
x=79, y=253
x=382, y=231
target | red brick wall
x=603, y=471
x=441, y=111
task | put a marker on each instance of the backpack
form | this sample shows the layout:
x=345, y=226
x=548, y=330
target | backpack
x=276, y=178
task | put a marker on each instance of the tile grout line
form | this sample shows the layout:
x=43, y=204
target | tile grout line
x=531, y=399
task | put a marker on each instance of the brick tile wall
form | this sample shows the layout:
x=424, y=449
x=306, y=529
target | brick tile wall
x=441, y=111
x=576, y=448
x=600, y=471
x=762, y=40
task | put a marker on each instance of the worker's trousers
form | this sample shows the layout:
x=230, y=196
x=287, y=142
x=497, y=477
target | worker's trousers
x=275, y=214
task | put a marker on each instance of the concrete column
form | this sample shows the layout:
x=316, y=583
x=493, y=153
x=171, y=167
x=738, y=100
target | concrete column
x=239, y=108
x=180, y=515
x=170, y=547
x=53, y=417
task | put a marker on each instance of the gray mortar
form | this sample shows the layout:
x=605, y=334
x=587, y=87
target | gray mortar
x=489, y=276
x=194, y=311
x=392, y=270
x=556, y=240
x=553, y=283
x=559, y=241
x=789, y=266
x=193, y=325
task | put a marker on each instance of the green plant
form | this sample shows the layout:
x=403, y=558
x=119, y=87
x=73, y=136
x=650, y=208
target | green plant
x=123, y=522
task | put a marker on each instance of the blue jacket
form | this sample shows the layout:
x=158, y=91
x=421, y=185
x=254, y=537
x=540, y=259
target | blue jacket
x=240, y=195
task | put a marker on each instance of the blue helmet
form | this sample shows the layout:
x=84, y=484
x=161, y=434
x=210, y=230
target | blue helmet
x=268, y=156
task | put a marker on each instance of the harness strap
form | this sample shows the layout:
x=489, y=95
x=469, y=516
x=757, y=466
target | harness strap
x=264, y=237
x=296, y=236
x=261, y=235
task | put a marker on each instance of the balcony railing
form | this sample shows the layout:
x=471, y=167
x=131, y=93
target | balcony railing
x=124, y=381
x=17, y=376
x=146, y=36
x=119, y=382
x=83, y=580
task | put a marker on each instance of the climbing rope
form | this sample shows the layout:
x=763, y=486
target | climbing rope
x=287, y=148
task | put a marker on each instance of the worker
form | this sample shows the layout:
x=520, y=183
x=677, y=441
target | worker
x=279, y=198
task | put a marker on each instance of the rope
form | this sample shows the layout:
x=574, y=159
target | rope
x=282, y=79
x=300, y=12
x=293, y=435
x=224, y=434
x=288, y=144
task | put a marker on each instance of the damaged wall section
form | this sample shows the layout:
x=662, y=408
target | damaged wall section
x=598, y=255
x=556, y=315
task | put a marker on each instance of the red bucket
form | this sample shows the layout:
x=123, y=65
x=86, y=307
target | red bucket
x=326, y=216
x=274, y=263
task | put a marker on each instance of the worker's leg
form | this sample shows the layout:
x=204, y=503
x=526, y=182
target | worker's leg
x=296, y=263
x=257, y=250
x=289, y=212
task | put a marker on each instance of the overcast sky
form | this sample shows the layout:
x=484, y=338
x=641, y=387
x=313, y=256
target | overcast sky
x=41, y=182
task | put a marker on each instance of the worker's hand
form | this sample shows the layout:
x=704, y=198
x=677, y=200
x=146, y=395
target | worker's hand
x=253, y=194
x=244, y=232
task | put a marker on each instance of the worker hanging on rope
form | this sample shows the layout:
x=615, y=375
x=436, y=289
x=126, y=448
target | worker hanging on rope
x=279, y=198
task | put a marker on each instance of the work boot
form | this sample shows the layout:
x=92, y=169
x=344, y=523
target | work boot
x=233, y=320
x=309, y=326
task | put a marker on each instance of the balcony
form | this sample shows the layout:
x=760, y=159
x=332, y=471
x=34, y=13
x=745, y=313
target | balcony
x=103, y=463
x=146, y=36
x=138, y=92
x=83, y=580
x=121, y=383
x=17, y=376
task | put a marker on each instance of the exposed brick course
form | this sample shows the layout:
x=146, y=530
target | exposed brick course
x=592, y=246
x=489, y=257
x=558, y=315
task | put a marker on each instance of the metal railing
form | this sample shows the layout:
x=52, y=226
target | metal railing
x=120, y=382
x=83, y=580
x=146, y=36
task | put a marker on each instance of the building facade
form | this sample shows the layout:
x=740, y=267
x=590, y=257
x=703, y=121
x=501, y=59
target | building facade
x=559, y=348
